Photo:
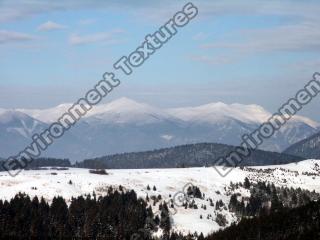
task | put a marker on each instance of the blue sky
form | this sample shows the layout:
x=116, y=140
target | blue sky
x=257, y=52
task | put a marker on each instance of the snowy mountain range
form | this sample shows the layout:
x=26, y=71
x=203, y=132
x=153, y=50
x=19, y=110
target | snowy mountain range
x=125, y=125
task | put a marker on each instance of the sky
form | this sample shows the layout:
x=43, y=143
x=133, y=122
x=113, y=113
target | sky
x=249, y=52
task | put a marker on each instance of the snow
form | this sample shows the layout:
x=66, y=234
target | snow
x=124, y=110
x=167, y=137
x=219, y=111
x=47, y=115
x=293, y=175
x=167, y=182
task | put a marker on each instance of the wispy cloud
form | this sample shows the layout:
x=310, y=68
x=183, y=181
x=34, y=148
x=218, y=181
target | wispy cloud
x=217, y=60
x=10, y=37
x=10, y=11
x=49, y=26
x=200, y=36
x=111, y=37
x=88, y=21
x=299, y=37
x=304, y=65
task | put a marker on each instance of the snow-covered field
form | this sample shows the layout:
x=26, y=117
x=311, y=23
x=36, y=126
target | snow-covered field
x=168, y=182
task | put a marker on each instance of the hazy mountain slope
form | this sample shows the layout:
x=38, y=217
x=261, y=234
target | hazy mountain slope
x=193, y=155
x=308, y=148
x=17, y=129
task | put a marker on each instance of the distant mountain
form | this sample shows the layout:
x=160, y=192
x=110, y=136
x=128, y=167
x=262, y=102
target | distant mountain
x=308, y=148
x=192, y=155
x=125, y=125
x=16, y=130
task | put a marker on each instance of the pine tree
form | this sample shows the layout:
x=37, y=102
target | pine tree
x=246, y=183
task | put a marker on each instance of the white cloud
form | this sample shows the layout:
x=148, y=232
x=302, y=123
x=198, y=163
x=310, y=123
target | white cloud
x=106, y=37
x=49, y=26
x=10, y=36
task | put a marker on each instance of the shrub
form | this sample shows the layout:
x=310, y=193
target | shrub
x=98, y=171
x=221, y=220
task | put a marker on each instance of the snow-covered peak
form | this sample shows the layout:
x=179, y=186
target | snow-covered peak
x=219, y=111
x=47, y=115
x=102, y=111
x=124, y=110
x=126, y=103
x=122, y=105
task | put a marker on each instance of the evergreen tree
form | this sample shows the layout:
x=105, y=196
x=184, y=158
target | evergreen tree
x=246, y=183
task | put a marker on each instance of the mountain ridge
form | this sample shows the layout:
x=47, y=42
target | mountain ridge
x=251, y=113
x=125, y=125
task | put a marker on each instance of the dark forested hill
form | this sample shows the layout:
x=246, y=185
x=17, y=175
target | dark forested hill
x=191, y=155
x=307, y=148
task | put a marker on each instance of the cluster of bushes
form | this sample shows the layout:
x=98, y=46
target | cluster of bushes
x=98, y=171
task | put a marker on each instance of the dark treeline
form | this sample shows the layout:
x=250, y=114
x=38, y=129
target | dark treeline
x=43, y=162
x=302, y=223
x=116, y=216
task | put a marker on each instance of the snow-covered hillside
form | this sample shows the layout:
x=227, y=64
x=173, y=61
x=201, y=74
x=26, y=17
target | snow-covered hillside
x=169, y=183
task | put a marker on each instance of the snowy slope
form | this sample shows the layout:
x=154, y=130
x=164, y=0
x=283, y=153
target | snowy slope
x=122, y=110
x=219, y=111
x=47, y=115
x=167, y=182
x=125, y=110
